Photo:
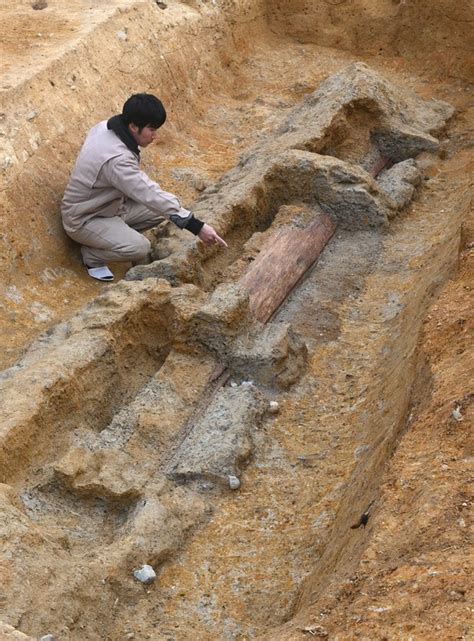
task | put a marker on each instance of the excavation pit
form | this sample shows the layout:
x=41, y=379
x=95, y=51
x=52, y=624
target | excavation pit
x=282, y=115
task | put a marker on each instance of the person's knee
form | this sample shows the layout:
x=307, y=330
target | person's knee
x=142, y=249
x=138, y=251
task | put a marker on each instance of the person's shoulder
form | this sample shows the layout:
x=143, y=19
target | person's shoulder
x=100, y=126
x=101, y=135
x=100, y=129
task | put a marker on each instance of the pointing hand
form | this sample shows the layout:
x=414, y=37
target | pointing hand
x=209, y=236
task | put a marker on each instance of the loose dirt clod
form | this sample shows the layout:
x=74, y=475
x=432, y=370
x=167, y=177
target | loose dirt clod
x=221, y=440
x=39, y=5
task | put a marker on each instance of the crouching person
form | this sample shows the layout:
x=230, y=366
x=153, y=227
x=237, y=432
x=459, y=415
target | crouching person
x=109, y=200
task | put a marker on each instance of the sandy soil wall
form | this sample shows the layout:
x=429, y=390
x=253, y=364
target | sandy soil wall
x=430, y=35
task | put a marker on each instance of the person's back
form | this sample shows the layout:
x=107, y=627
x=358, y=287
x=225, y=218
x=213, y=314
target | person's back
x=88, y=193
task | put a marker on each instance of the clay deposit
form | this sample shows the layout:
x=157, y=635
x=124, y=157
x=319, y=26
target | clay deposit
x=279, y=430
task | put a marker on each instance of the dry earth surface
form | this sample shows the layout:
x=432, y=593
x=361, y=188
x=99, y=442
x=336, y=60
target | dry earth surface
x=117, y=400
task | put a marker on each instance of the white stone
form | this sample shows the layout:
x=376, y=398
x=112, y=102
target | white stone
x=121, y=35
x=146, y=574
x=456, y=413
x=234, y=482
x=274, y=407
x=6, y=162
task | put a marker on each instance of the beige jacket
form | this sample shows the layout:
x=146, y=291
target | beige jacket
x=105, y=172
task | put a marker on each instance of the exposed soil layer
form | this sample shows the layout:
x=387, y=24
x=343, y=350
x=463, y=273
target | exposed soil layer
x=130, y=431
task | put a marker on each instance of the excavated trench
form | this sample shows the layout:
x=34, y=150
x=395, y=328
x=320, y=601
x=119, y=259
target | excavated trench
x=143, y=429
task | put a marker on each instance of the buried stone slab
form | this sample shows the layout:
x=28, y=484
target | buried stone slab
x=222, y=317
x=176, y=268
x=399, y=182
x=221, y=439
x=399, y=124
x=271, y=355
x=349, y=194
x=274, y=356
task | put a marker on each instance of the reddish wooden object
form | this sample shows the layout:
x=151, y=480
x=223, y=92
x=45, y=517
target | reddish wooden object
x=289, y=253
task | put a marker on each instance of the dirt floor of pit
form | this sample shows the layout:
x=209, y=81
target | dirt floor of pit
x=282, y=548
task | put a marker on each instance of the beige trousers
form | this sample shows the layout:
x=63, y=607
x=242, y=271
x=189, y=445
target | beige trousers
x=116, y=238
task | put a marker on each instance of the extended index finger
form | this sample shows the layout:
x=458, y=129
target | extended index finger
x=221, y=241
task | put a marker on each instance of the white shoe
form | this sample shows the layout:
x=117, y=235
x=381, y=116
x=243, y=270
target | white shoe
x=100, y=273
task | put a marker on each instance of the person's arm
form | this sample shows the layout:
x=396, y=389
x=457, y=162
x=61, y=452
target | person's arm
x=123, y=173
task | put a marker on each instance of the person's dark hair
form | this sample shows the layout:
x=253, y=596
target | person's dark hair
x=144, y=109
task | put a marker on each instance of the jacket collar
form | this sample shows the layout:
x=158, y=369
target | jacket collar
x=117, y=125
